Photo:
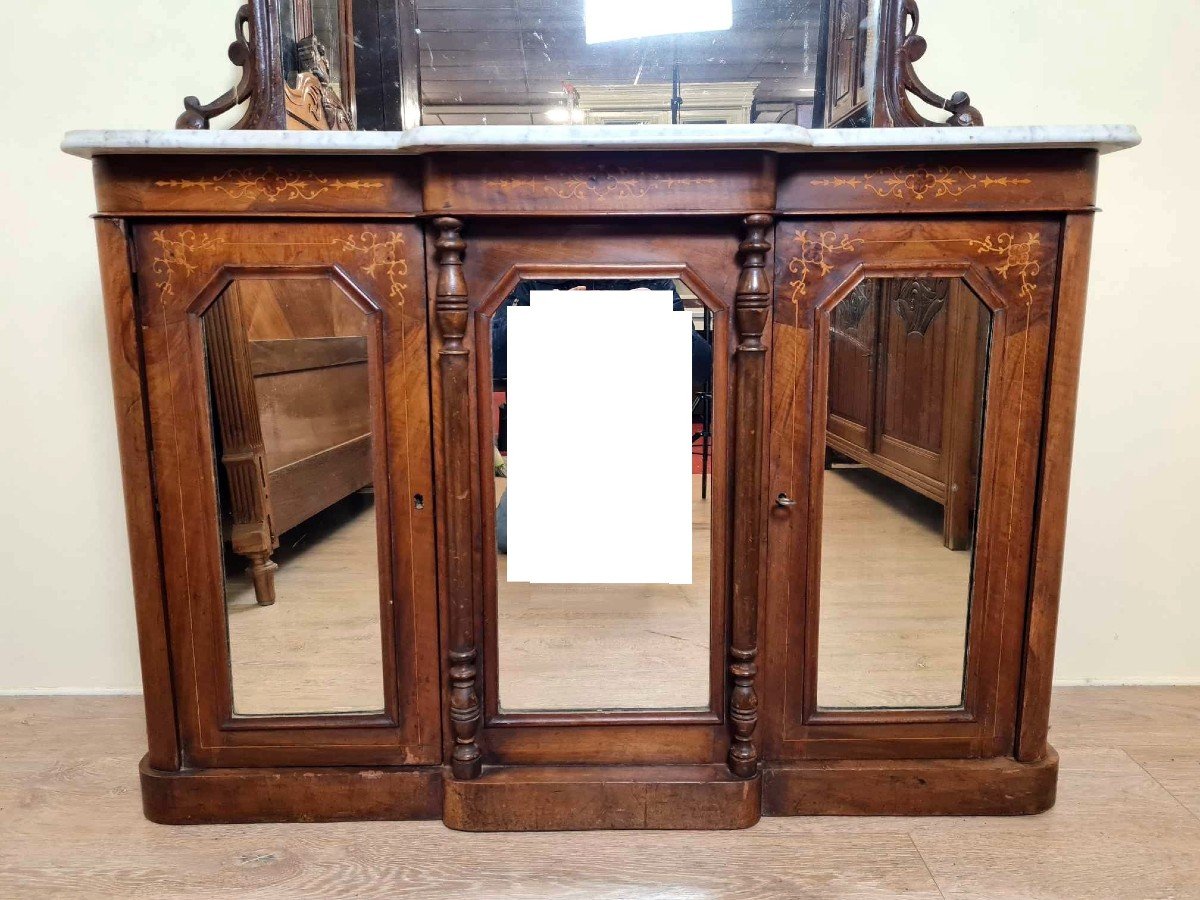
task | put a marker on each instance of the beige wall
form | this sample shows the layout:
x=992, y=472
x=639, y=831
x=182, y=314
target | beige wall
x=1130, y=596
x=1131, y=583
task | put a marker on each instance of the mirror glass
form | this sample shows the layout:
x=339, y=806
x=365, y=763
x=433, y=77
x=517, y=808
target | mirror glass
x=289, y=384
x=621, y=62
x=603, y=413
x=906, y=389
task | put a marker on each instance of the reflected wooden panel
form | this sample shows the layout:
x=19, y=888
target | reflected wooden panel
x=907, y=367
x=290, y=389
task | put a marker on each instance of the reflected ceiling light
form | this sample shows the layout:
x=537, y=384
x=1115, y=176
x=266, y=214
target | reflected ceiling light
x=560, y=115
x=619, y=20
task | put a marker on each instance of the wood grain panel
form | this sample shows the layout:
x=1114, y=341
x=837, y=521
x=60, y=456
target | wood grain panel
x=918, y=183
x=557, y=183
x=256, y=185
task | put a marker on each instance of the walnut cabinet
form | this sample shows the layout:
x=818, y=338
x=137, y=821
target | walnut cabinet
x=303, y=340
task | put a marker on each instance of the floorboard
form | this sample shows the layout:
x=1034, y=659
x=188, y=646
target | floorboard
x=1126, y=826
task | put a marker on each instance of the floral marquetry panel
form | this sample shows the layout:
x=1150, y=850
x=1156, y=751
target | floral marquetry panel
x=935, y=183
x=274, y=185
x=815, y=259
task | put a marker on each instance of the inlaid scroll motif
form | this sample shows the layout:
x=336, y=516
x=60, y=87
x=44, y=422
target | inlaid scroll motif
x=382, y=257
x=1018, y=257
x=816, y=249
x=177, y=256
x=920, y=182
x=919, y=300
x=616, y=183
x=269, y=184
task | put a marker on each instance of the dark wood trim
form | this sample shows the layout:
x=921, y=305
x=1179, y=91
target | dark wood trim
x=141, y=516
x=454, y=361
x=626, y=798
x=910, y=787
x=752, y=311
x=387, y=65
x=1057, y=442
x=256, y=795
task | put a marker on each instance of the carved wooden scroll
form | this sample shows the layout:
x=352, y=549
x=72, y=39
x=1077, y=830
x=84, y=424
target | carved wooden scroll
x=273, y=103
x=454, y=362
x=752, y=306
x=256, y=50
x=899, y=48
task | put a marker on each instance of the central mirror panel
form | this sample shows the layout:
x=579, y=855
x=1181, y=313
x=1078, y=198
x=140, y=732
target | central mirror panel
x=907, y=369
x=604, y=412
x=289, y=373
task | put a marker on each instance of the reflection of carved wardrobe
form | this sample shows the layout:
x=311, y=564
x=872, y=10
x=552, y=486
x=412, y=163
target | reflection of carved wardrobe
x=907, y=366
x=291, y=407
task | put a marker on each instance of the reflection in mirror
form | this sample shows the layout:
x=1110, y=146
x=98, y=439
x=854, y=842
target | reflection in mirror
x=603, y=419
x=290, y=390
x=907, y=371
x=620, y=62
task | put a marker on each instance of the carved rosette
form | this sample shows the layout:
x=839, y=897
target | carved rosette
x=454, y=362
x=752, y=306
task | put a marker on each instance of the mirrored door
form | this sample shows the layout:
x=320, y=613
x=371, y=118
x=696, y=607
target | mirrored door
x=288, y=361
x=606, y=406
x=909, y=372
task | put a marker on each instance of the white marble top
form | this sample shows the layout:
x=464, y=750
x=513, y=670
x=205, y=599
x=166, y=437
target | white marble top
x=430, y=138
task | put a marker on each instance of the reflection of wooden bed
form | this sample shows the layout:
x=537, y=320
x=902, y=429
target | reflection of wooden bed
x=288, y=367
x=907, y=364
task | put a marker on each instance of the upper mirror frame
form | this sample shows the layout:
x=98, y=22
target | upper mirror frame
x=385, y=72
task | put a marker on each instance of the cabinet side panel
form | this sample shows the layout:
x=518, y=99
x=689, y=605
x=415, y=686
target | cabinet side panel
x=133, y=443
x=1038, y=666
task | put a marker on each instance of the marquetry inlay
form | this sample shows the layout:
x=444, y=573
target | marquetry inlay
x=1013, y=257
x=1016, y=256
x=176, y=256
x=269, y=184
x=920, y=182
x=382, y=257
x=375, y=255
x=618, y=182
x=815, y=252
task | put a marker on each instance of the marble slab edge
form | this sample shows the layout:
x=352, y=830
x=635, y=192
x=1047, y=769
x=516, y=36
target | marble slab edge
x=483, y=138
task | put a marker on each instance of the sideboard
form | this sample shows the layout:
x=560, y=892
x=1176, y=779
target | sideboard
x=317, y=309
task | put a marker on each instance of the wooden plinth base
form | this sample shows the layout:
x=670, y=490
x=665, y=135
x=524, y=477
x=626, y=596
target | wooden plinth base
x=576, y=798
x=229, y=796
x=934, y=787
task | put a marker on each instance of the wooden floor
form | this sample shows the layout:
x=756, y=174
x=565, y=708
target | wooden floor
x=1127, y=825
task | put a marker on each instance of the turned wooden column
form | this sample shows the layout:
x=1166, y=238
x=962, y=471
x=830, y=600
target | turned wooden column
x=752, y=306
x=243, y=453
x=454, y=360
